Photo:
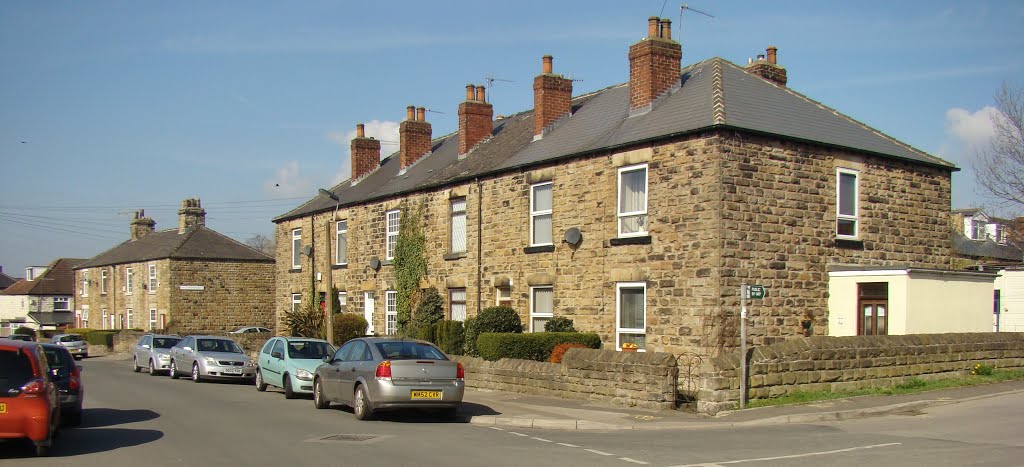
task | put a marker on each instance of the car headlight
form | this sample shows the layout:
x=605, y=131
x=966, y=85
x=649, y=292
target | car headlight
x=210, y=361
x=250, y=364
x=163, y=357
x=303, y=375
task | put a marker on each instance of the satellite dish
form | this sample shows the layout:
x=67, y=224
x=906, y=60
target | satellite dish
x=573, y=236
x=375, y=263
x=308, y=250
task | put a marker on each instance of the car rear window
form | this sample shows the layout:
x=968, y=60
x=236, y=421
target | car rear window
x=409, y=350
x=58, y=358
x=165, y=342
x=15, y=371
x=71, y=338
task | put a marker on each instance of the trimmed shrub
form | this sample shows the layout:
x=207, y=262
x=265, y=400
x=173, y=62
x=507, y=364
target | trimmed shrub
x=423, y=331
x=429, y=309
x=450, y=336
x=532, y=346
x=559, y=351
x=559, y=324
x=25, y=330
x=101, y=337
x=499, y=319
x=348, y=326
x=472, y=332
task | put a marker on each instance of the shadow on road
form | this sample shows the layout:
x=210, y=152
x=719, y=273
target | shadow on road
x=101, y=417
x=467, y=411
x=83, y=441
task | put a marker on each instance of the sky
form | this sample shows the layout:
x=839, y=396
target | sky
x=107, y=107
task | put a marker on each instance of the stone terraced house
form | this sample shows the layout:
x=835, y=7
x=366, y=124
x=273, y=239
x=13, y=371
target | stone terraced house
x=188, y=279
x=637, y=210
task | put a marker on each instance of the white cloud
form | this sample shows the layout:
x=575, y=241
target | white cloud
x=288, y=182
x=386, y=131
x=973, y=129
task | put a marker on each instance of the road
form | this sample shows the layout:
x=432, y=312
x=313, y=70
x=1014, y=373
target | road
x=136, y=419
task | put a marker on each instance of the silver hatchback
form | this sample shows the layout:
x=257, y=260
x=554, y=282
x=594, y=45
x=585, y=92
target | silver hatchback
x=153, y=351
x=211, y=357
x=75, y=344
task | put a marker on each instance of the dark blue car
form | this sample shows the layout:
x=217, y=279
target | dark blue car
x=68, y=378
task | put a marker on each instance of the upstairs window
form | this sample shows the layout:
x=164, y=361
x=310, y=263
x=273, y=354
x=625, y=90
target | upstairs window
x=152, y=278
x=103, y=281
x=847, y=223
x=85, y=284
x=296, y=248
x=341, y=253
x=458, y=225
x=540, y=214
x=61, y=304
x=391, y=219
x=632, y=203
x=128, y=281
x=977, y=229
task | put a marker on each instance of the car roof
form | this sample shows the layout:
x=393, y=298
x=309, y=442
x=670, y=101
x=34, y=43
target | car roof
x=163, y=335
x=374, y=340
x=55, y=346
x=204, y=336
x=11, y=344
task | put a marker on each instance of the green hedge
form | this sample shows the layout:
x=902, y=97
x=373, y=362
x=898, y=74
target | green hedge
x=533, y=346
x=450, y=336
x=100, y=337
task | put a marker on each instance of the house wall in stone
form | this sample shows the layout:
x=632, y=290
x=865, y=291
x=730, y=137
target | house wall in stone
x=234, y=294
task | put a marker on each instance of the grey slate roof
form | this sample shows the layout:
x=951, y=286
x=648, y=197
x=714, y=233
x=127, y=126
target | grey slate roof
x=714, y=94
x=59, y=279
x=986, y=248
x=55, y=318
x=198, y=243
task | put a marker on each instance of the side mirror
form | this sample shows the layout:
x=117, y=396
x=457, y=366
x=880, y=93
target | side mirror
x=276, y=354
x=329, y=359
x=145, y=346
x=54, y=372
x=187, y=348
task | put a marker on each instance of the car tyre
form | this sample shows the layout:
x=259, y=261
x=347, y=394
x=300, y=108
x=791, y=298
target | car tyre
x=361, y=405
x=152, y=368
x=195, y=374
x=173, y=372
x=260, y=384
x=42, y=450
x=319, y=399
x=135, y=364
x=289, y=393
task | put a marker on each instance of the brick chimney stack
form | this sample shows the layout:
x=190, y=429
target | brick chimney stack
x=475, y=119
x=141, y=225
x=654, y=64
x=552, y=97
x=413, y=137
x=768, y=68
x=190, y=215
x=365, y=154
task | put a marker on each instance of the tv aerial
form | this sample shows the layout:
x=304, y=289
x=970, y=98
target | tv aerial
x=490, y=79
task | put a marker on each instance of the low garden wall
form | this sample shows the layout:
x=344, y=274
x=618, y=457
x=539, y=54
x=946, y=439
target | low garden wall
x=850, y=363
x=635, y=379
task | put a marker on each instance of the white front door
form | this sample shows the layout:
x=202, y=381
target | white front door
x=368, y=311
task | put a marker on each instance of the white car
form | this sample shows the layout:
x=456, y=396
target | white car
x=249, y=329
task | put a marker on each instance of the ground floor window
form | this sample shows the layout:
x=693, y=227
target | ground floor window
x=873, y=307
x=457, y=303
x=504, y=296
x=542, y=307
x=631, y=315
x=129, y=318
x=103, y=320
x=152, y=319
x=296, y=302
x=391, y=324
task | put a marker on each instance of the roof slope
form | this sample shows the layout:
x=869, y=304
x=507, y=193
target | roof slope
x=200, y=243
x=986, y=248
x=713, y=94
x=6, y=281
x=59, y=279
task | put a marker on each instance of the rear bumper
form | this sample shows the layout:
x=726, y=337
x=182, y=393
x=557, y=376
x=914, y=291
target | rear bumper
x=386, y=395
x=78, y=351
x=34, y=425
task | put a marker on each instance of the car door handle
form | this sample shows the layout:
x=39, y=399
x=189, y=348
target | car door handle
x=352, y=369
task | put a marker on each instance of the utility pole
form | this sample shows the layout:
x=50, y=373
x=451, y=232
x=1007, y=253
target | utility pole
x=329, y=324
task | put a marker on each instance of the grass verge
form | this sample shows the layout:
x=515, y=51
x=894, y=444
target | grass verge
x=912, y=386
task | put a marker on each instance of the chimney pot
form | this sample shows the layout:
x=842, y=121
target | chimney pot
x=772, y=51
x=410, y=113
x=476, y=119
x=421, y=114
x=470, y=91
x=364, y=155
x=360, y=131
x=414, y=136
x=652, y=26
x=480, y=94
x=666, y=29
x=552, y=98
x=546, y=66
x=190, y=215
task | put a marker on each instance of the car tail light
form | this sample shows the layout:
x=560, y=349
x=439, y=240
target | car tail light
x=75, y=379
x=460, y=372
x=34, y=387
x=384, y=369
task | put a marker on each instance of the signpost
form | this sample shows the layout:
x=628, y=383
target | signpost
x=755, y=292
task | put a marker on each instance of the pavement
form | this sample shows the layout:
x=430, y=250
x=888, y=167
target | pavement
x=513, y=410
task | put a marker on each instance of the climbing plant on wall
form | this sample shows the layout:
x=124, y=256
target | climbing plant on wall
x=409, y=262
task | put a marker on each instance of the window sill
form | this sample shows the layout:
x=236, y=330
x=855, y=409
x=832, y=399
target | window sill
x=539, y=249
x=644, y=240
x=454, y=256
x=386, y=262
x=339, y=266
x=295, y=270
x=849, y=244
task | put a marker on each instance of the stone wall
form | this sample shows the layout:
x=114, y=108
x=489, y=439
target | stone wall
x=851, y=363
x=634, y=379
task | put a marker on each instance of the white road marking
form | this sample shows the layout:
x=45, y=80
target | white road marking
x=496, y=428
x=792, y=456
x=600, y=453
x=518, y=434
x=632, y=460
x=568, y=445
x=541, y=439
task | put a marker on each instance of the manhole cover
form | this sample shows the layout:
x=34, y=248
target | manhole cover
x=348, y=438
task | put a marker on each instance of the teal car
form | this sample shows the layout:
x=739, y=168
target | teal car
x=289, y=363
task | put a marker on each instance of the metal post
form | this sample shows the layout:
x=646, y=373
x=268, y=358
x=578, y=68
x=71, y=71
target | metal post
x=743, y=346
x=329, y=325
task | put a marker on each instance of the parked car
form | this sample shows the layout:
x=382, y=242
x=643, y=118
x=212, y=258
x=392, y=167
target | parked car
x=29, y=401
x=67, y=375
x=75, y=344
x=211, y=357
x=21, y=337
x=153, y=351
x=289, y=363
x=377, y=373
x=249, y=329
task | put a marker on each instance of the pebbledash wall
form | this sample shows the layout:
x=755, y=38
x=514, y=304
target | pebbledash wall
x=854, y=362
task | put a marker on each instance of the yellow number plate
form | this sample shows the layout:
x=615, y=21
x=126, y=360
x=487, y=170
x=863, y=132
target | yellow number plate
x=426, y=394
x=3, y=407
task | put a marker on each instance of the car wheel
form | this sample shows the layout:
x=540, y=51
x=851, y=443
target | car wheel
x=42, y=451
x=288, y=392
x=152, y=368
x=135, y=364
x=173, y=372
x=319, y=399
x=195, y=373
x=361, y=406
x=260, y=384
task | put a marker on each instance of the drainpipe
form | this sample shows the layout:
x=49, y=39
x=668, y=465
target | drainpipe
x=479, y=244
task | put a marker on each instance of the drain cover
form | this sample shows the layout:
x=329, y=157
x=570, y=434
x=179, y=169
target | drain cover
x=348, y=438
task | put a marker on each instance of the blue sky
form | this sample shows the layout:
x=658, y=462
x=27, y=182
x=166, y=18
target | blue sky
x=107, y=107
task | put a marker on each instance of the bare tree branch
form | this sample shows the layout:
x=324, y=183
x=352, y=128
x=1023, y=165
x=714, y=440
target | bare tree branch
x=999, y=168
x=261, y=242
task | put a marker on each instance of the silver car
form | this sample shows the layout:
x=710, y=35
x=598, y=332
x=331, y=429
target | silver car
x=75, y=344
x=153, y=351
x=211, y=357
x=375, y=373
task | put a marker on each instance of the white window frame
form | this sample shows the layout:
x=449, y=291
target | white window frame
x=65, y=300
x=103, y=320
x=619, y=330
x=341, y=236
x=536, y=314
x=534, y=213
x=500, y=300
x=391, y=312
x=128, y=280
x=128, y=313
x=85, y=283
x=152, y=319
x=855, y=217
x=452, y=303
x=454, y=229
x=296, y=302
x=621, y=215
x=152, y=279
x=391, y=232
x=103, y=281
x=342, y=301
x=85, y=316
x=297, y=248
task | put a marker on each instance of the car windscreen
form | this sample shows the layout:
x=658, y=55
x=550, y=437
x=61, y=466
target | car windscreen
x=309, y=350
x=15, y=371
x=403, y=350
x=165, y=342
x=218, y=345
x=71, y=338
x=58, y=358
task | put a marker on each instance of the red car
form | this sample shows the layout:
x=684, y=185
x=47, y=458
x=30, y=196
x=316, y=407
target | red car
x=29, y=400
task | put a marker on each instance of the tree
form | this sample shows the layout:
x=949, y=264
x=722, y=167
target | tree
x=263, y=243
x=999, y=168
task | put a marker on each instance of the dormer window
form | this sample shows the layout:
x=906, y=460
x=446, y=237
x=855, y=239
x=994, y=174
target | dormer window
x=977, y=230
